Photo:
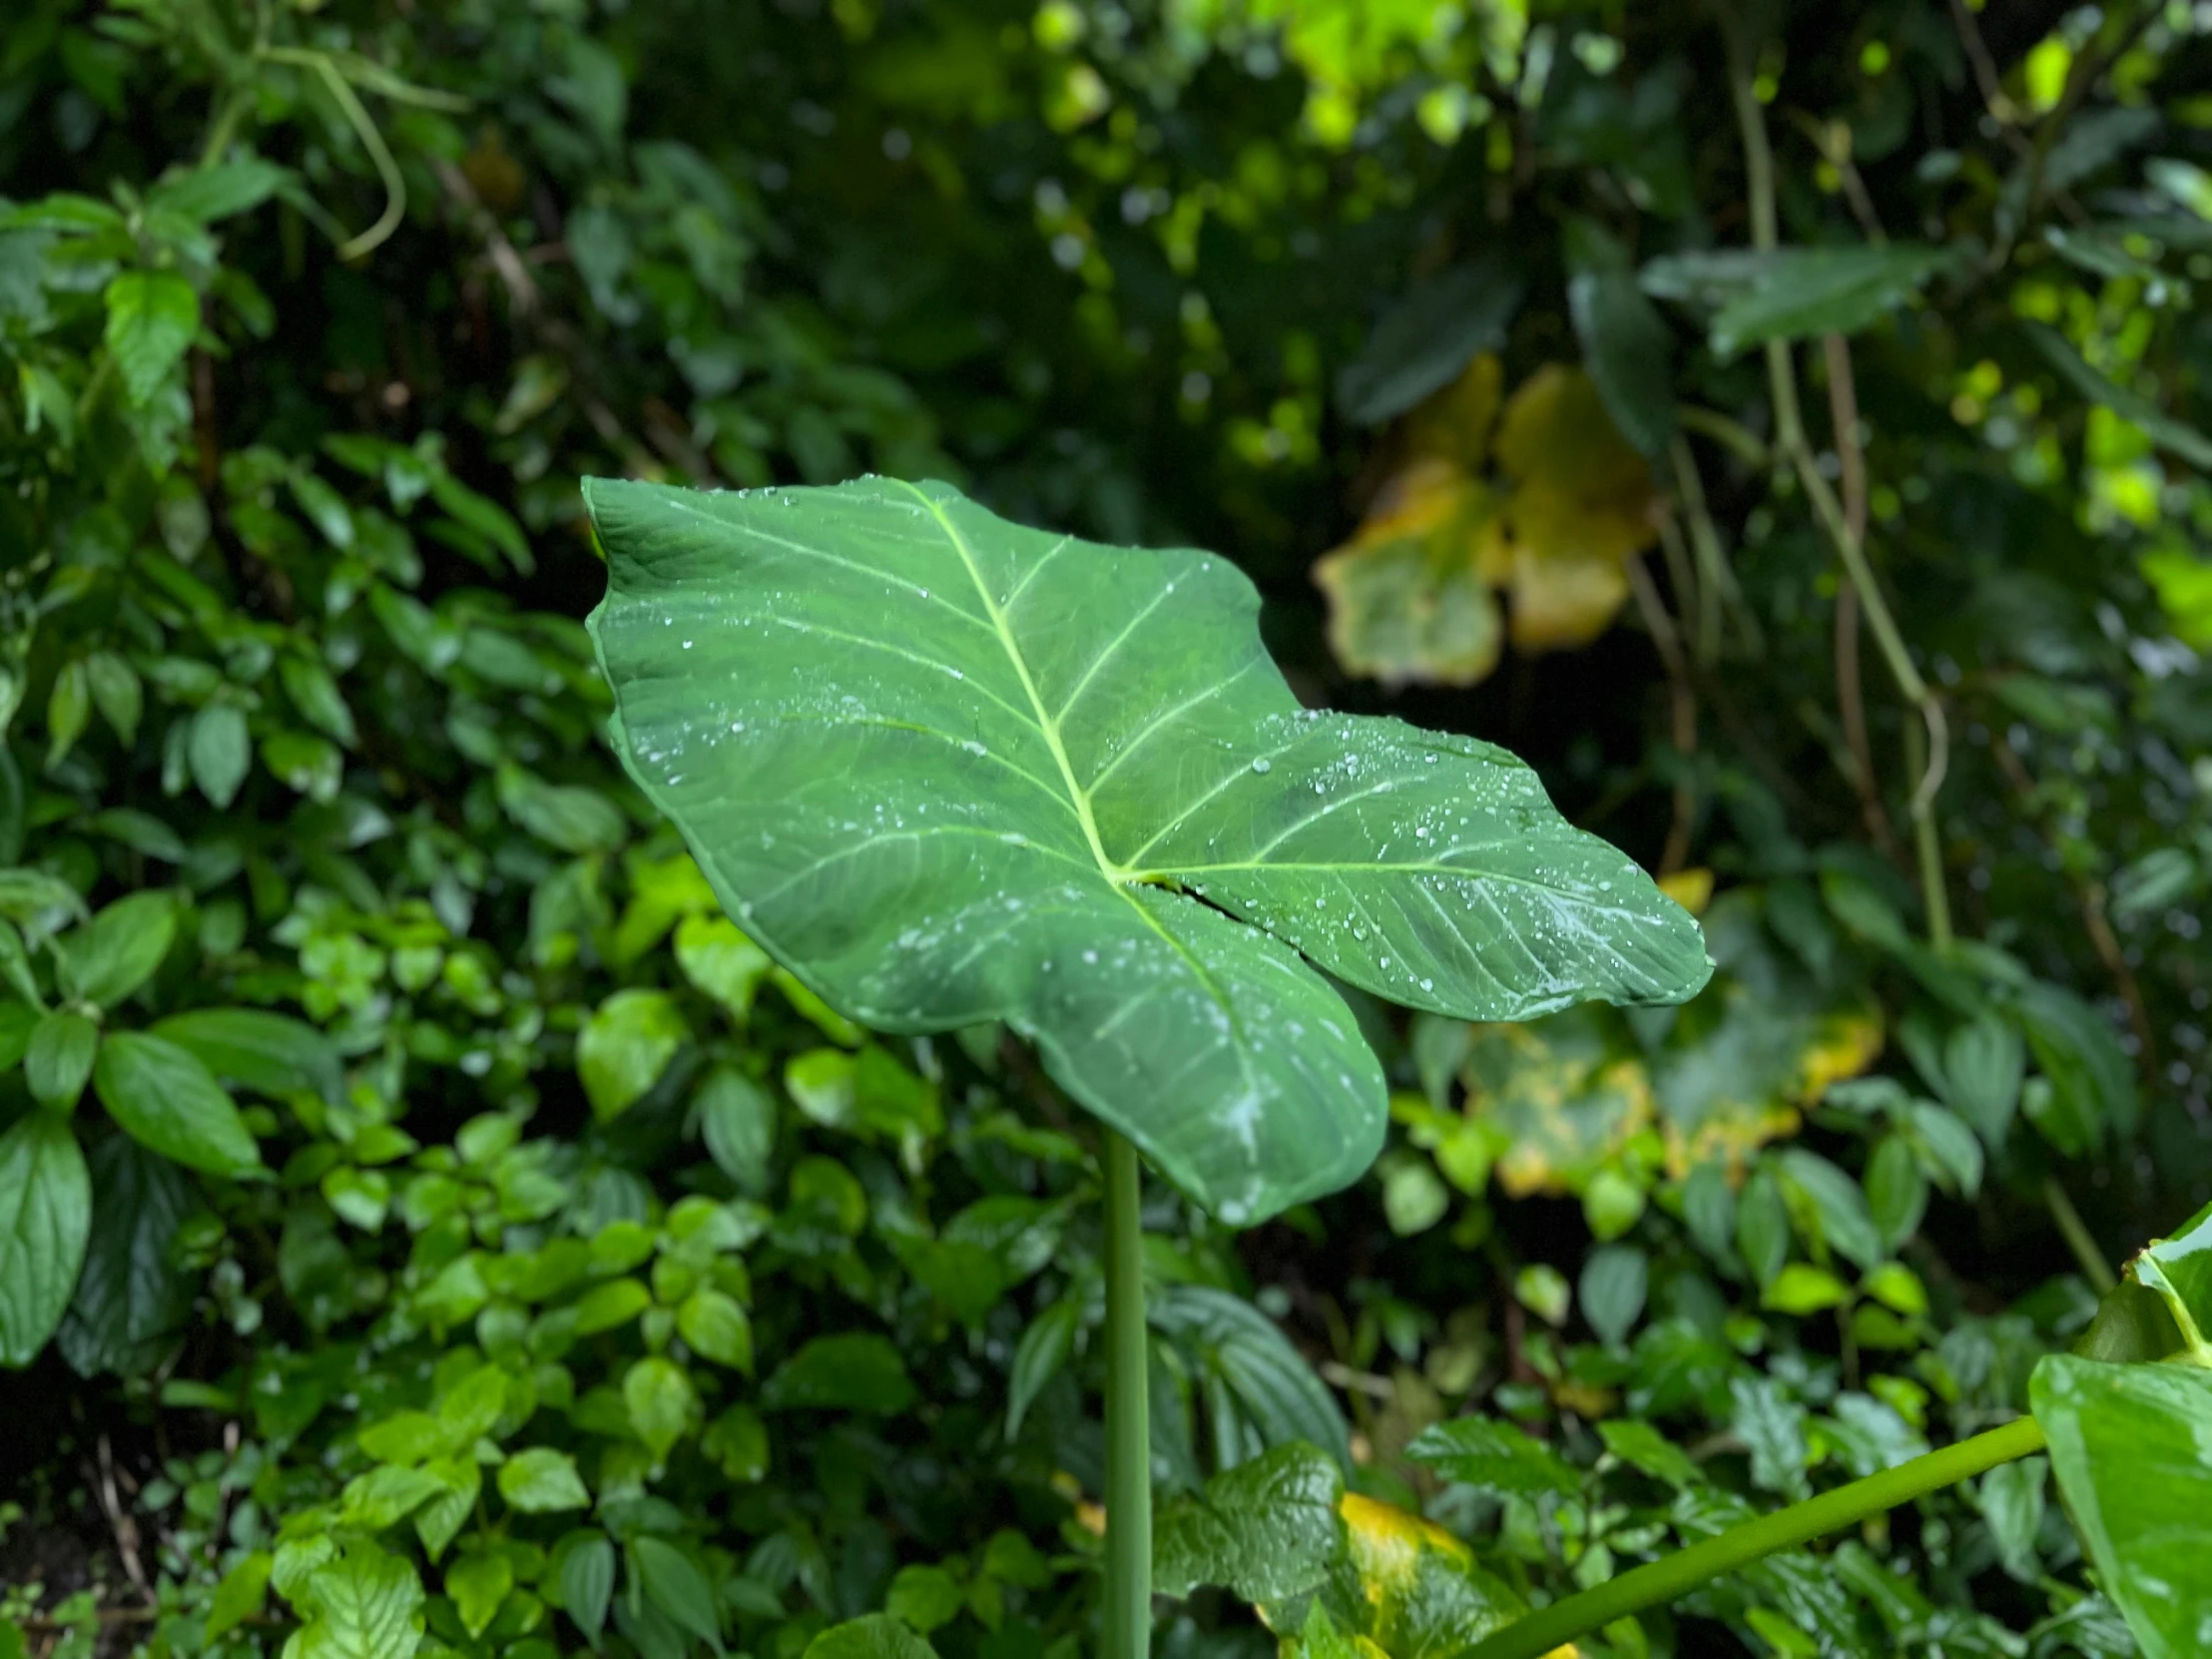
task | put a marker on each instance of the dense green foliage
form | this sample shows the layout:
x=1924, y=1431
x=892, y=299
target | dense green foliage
x=428, y=1223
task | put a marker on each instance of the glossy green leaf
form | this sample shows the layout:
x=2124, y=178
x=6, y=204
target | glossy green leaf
x=218, y=192
x=872, y=1636
x=153, y=316
x=2128, y=1445
x=852, y=1372
x=220, y=751
x=1982, y=1064
x=715, y=1327
x=118, y=950
x=1427, y=338
x=586, y=1574
x=1611, y=1290
x=2163, y=430
x=2011, y=1501
x=949, y=770
x=678, y=1589
x=1835, y=1204
x=1799, y=292
x=240, y=1595
x=1266, y=1529
x=131, y=1297
x=1492, y=1454
x=1405, y=1588
x=58, y=1057
x=1646, y=1448
x=270, y=1053
x=478, y=1584
x=2179, y=1270
x=661, y=1402
x=1629, y=351
x=736, y=1119
x=1043, y=1349
x=170, y=1103
x=1267, y=1378
x=364, y=1604
x=45, y=1218
x=2092, y=1082
x=542, y=1481
x=626, y=1045
x=924, y=1597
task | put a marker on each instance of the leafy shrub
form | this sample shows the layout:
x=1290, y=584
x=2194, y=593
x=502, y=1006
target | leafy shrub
x=427, y=1221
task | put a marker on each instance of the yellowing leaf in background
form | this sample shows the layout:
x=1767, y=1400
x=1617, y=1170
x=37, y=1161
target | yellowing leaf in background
x=1410, y=596
x=1581, y=506
x=1406, y=597
x=1564, y=1096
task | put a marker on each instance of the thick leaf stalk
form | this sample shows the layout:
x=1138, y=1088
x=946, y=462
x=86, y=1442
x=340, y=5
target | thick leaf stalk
x=1128, y=1611
x=1674, y=1576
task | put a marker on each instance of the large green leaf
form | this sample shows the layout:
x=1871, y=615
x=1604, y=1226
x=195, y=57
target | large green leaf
x=2179, y=1271
x=949, y=770
x=255, y=1049
x=1427, y=338
x=1267, y=1529
x=169, y=1102
x=131, y=1297
x=1795, y=293
x=2129, y=1444
x=2177, y=436
x=45, y=1215
x=1408, y=1587
x=366, y=1604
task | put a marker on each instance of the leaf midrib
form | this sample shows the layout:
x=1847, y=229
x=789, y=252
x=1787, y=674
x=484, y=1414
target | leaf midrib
x=1118, y=877
x=1077, y=799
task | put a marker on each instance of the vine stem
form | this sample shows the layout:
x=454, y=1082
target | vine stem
x=1927, y=750
x=2079, y=1239
x=1128, y=1608
x=1676, y=1576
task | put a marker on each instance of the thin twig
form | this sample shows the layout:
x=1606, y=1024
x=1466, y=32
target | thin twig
x=2089, y=897
x=1928, y=750
x=1682, y=701
x=120, y=1520
x=1341, y=1376
x=2079, y=1239
x=522, y=287
x=1833, y=139
x=364, y=128
x=1842, y=400
x=2003, y=110
x=1716, y=584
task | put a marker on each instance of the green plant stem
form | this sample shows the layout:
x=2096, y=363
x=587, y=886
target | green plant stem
x=1128, y=1611
x=2075, y=1231
x=1678, y=1575
x=1932, y=750
x=1927, y=847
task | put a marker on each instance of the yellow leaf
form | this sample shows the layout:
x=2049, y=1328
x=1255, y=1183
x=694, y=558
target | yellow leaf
x=1845, y=1044
x=1407, y=596
x=1563, y=601
x=1557, y=433
x=1455, y=425
x=1690, y=888
x=1581, y=504
x=1560, y=1094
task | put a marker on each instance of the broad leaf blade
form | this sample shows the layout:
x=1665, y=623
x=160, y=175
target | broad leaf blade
x=1267, y=1529
x=949, y=770
x=131, y=1297
x=45, y=1216
x=2179, y=1271
x=1826, y=290
x=2128, y=1446
x=1427, y=338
